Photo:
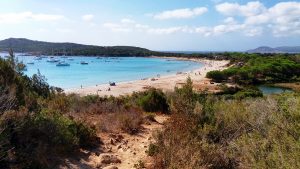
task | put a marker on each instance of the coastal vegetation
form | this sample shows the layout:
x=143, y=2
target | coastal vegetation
x=251, y=69
x=215, y=132
x=40, y=126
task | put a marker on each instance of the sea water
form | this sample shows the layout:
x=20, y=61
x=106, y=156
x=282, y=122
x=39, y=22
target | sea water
x=102, y=70
x=266, y=90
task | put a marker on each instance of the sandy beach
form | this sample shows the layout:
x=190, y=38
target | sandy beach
x=166, y=83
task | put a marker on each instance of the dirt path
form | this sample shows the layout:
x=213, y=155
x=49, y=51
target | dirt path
x=120, y=151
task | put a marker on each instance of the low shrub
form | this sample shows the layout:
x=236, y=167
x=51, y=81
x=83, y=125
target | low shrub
x=152, y=150
x=248, y=92
x=39, y=139
x=154, y=101
x=130, y=122
x=234, y=133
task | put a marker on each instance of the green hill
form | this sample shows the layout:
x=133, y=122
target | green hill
x=39, y=47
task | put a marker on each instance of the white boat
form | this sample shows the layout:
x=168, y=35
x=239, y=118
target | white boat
x=38, y=58
x=53, y=60
x=63, y=64
x=84, y=63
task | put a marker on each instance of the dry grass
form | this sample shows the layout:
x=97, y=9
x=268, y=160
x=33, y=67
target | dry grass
x=294, y=86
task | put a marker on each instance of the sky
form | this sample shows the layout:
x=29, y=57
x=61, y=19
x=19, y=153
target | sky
x=164, y=25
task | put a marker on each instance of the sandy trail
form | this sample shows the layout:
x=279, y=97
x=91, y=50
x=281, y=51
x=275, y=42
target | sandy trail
x=123, y=150
x=166, y=83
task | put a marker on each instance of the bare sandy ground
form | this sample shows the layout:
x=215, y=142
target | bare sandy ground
x=123, y=149
x=166, y=83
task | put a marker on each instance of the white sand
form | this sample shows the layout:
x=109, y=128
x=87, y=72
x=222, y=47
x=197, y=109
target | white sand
x=166, y=83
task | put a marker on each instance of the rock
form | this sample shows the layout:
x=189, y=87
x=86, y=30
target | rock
x=112, y=142
x=109, y=159
x=119, y=138
x=110, y=167
x=109, y=149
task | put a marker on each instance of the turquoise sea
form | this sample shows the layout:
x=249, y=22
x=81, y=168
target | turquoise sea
x=102, y=70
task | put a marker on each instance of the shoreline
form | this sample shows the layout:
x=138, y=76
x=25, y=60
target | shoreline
x=165, y=82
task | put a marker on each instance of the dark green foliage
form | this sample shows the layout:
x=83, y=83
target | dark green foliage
x=154, y=101
x=152, y=149
x=216, y=75
x=25, y=45
x=260, y=70
x=184, y=98
x=36, y=138
x=248, y=92
x=23, y=89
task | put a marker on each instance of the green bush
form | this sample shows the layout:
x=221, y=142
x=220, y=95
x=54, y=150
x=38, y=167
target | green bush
x=259, y=69
x=248, y=92
x=216, y=75
x=37, y=138
x=154, y=101
x=152, y=150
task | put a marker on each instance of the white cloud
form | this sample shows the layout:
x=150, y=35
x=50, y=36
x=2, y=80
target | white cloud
x=15, y=18
x=127, y=21
x=88, y=17
x=255, y=31
x=141, y=26
x=230, y=26
x=230, y=20
x=235, y=9
x=181, y=13
x=282, y=19
x=169, y=30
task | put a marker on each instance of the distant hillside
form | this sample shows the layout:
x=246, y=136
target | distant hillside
x=282, y=49
x=39, y=47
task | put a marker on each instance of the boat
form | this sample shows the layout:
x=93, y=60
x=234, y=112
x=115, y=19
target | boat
x=38, y=58
x=53, y=60
x=84, y=63
x=62, y=64
x=70, y=59
x=30, y=63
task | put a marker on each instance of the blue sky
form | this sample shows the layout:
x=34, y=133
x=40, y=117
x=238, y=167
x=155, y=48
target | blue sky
x=169, y=25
